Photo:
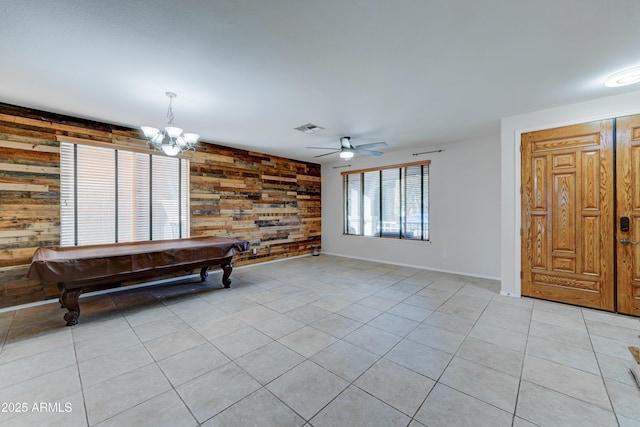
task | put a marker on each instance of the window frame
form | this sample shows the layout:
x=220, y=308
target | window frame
x=400, y=194
x=69, y=234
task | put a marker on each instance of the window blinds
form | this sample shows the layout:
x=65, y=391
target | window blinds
x=388, y=202
x=110, y=196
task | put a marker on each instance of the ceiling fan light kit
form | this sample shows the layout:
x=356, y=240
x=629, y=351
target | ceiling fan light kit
x=346, y=155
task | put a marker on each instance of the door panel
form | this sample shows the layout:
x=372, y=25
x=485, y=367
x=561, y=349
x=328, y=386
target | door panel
x=567, y=214
x=628, y=204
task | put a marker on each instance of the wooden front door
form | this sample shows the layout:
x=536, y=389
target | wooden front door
x=568, y=215
x=628, y=206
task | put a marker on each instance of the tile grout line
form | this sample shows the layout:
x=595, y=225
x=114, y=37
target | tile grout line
x=524, y=356
x=352, y=383
x=602, y=377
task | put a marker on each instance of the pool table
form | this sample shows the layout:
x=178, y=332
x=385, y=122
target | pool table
x=81, y=268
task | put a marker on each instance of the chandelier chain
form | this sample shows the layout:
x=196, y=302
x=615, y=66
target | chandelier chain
x=170, y=112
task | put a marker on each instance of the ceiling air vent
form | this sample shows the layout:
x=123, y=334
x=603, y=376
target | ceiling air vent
x=309, y=128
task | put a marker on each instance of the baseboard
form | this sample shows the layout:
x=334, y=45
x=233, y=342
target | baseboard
x=509, y=294
x=461, y=273
x=197, y=276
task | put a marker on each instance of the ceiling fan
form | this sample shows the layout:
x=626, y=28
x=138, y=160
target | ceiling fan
x=347, y=150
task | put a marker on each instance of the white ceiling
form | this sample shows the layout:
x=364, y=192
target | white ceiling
x=412, y=73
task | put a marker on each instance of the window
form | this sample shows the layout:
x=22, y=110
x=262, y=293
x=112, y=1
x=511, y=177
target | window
x=109, y=196
x=388, y=202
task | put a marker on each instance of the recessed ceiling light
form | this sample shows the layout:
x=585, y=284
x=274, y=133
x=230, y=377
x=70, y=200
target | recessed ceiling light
x=624, y=77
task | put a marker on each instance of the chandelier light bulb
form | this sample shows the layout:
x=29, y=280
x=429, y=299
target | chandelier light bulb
x=149, y=131
x=191, y=138
x=170, y=150
x=173, y=131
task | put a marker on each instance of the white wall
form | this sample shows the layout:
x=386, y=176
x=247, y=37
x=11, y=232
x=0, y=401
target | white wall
x=511, y=129
x=464, y=185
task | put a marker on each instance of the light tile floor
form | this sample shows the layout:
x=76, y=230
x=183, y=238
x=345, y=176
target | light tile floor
x=319, y=341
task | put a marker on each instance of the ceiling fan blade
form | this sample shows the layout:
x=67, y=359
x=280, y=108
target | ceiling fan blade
x=322, y=148
x=367, y=152
x=326, y=154
x=371, y=145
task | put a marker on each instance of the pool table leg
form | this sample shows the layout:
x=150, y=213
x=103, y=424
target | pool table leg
x=203, y=274
x=70, y=300
x=227, y=269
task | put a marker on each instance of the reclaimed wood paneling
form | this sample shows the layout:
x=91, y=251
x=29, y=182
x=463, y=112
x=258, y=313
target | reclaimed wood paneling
x=271, y=201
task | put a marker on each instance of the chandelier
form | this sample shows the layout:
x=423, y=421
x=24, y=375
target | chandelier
x=171, y=140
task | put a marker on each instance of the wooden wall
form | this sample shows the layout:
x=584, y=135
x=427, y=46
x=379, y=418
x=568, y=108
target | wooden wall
x=271, y=201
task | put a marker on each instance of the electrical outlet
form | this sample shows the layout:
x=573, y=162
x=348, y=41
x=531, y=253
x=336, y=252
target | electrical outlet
x=254, y=251
x=445, y=255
